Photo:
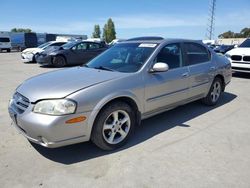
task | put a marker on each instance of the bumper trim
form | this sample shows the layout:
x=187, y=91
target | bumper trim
x=56, y=144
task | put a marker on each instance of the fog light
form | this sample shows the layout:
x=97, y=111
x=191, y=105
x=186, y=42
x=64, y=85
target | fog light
x=76, y=120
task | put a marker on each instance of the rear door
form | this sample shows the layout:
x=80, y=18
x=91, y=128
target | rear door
x=201, y=68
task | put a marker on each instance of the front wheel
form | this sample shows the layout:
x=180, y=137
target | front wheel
x=113, y=126
x=214, y=93
x=59, y=61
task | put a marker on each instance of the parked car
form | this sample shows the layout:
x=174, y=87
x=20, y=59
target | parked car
x=5, y=42
x=28, y=55
x=240, y=57
x=107, y=98
x=223, y=48
x=72, y=53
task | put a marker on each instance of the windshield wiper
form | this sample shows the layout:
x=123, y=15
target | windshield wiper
x=104, y=68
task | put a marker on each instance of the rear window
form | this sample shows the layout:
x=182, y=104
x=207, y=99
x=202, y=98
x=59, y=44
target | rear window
x=196, y=53
x=4, y=39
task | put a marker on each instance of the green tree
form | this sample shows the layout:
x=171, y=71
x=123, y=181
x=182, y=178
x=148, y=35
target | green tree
x=245, y=32
x=109, y=32
x=26, y=30
x=228, y=34
x=97, y=32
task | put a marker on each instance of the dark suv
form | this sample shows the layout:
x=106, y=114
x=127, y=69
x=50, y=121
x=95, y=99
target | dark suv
x=72, y=53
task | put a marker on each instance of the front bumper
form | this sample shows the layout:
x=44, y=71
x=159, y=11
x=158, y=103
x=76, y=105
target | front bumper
x=43, y=60
x=27, y=57
x=49, y=131
x=240, y=66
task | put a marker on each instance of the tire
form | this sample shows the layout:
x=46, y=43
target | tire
x=34, y=58
x=59, y=61
x=214, y=93
x=113, y=126
x=8, y=50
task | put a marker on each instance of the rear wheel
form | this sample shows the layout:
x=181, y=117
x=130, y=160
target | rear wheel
x=214, y=93
x=59, y=61
x=113, y=126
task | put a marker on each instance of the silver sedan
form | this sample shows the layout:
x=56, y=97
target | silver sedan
x=106, y=99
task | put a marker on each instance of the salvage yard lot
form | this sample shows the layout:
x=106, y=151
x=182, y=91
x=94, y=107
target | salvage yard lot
x=190, y=146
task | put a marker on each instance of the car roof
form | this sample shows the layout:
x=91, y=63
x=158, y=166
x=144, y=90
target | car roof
x=159, y=40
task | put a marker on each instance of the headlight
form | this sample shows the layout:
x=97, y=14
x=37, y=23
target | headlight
x=228, y=56
x=55, y=107
x=52, y=53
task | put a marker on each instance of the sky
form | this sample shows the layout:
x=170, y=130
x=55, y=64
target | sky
x=132, y=18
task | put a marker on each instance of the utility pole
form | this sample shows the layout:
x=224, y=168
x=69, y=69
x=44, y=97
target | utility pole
x=211, y=20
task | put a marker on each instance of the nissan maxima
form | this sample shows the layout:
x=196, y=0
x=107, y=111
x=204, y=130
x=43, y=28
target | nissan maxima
x=104, y=100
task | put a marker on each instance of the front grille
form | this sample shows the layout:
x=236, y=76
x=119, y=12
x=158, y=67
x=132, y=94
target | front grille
x=239, y=68
x=236, y=57
x=20, y=103
x=246, y=58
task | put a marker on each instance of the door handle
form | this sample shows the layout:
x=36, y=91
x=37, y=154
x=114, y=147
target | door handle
x=184, y=75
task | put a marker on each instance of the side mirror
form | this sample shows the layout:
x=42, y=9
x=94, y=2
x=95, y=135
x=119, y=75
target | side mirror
x=160, y=67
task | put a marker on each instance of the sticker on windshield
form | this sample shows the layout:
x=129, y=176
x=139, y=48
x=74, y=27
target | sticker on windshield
x=147, y=45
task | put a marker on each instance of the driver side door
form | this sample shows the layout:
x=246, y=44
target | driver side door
x=78, y=53
x=167, y=89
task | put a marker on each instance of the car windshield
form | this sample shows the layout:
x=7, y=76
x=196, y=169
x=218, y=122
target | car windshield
x=44, y=45
x=68, y=45
x=245, y=44
x=123, y=57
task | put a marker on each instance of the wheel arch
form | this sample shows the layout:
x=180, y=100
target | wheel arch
x=128, y=99
x=221, y=77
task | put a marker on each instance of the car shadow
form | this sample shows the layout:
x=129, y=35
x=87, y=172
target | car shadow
x=148, y=129
x=241, y=75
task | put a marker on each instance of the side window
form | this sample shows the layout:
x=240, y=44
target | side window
x=58, y=44
x=93, y=46
x=80, y=46
x=171, y=54
x=196, y=53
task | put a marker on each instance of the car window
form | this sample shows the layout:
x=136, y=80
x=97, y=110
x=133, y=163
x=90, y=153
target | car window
x=171, y=54
x=94, y=46
x=124, y=57
x=58, y=44
x=245, y=44
x=3, y=39
x=80, y=46
x=196, y=53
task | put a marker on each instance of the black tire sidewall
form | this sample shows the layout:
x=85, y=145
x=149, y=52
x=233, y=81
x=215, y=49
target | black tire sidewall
x=208, y=99
x=97, y=136
x=56, y=59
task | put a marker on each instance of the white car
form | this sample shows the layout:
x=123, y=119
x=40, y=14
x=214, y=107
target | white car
x=240, y=57
x=28, y=55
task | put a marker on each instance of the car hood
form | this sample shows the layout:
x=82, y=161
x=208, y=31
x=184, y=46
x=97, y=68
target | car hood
x=32, y=50
x=239, y=51
x=50, y=49
x=61, y=83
